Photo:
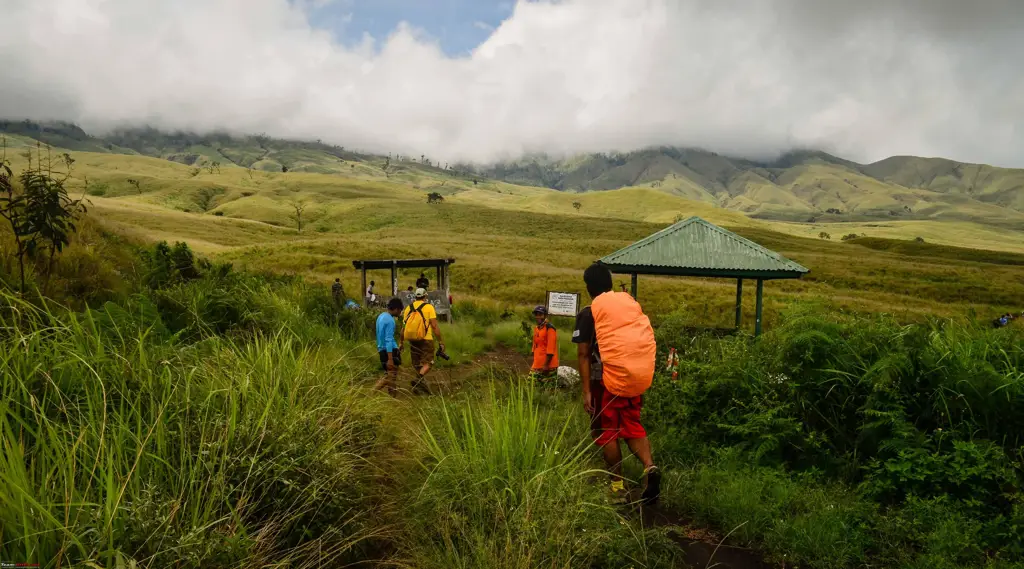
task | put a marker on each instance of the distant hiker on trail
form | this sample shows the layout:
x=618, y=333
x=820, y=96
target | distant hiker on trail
x=628, y=351
x=423, y=282
x=419, y=327
x=337, y=292
x=387, y=348
x=409, y=289
x=369, y=292
x=545, y=346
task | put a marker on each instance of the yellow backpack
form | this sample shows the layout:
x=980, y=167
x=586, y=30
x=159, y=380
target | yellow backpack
x=417, y=331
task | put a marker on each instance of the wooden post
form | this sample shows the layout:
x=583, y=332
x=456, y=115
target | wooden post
x=366, y=300
x=739, y=303
x=440, y=278
x=444, y=286
x=760, y=303
x=394, y=278
x=633, y=283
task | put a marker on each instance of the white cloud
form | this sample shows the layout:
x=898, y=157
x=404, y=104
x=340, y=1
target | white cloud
x=483, y=26
x=754, y=78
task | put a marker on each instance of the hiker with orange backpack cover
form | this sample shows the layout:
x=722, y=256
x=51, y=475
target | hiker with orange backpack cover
x=615, y=331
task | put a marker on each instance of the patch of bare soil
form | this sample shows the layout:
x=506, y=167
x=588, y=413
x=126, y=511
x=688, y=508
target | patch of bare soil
x=502, y=362
x=702, y=548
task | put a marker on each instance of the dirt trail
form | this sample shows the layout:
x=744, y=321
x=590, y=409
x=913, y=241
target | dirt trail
x=701, y=548
x=499, y=362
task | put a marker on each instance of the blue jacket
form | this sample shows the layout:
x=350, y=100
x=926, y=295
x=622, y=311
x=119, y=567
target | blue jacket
x=386, y=333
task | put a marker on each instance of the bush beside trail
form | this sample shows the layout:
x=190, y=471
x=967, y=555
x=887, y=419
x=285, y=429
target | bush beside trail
x=898, y=422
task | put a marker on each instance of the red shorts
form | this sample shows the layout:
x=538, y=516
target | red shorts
x=619, y=418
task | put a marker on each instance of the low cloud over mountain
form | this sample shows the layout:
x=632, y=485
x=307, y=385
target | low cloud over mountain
x=863, y=79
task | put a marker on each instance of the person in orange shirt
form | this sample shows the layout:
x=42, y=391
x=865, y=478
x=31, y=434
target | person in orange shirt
x=545, y=346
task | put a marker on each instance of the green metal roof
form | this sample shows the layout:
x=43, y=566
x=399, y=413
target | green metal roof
x=695, y=247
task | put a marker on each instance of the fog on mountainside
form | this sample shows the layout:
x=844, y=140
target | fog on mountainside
x=863, y=80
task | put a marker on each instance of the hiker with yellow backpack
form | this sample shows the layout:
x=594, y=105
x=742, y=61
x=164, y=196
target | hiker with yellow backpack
x=419, y=328
x=617, y=351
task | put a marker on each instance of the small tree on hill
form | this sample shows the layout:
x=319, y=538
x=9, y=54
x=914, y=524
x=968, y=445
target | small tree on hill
x=194, y=172
x=42, y=216
x=434, y=198
x=824, y=235
x=248, y=170
x=284, y=169
x=919, y=239
x=577, y=205
x=135, y=184
x=299, y=207
x=51, y=213
x=850, y=236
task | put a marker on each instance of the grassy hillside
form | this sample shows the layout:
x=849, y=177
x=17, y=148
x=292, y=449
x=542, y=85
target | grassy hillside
x=997, y=186
x=513, y=243
x=802, y=186
x=798, y=186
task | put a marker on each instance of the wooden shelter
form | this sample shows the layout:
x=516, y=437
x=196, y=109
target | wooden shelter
x=438, y=297
x=696, y=248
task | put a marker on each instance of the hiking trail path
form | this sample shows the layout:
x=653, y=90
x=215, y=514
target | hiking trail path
x=701, y=547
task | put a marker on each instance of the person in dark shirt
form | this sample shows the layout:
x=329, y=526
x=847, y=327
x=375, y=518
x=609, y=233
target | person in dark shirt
x=423, y=282
x=337, y=292
x=585, y=337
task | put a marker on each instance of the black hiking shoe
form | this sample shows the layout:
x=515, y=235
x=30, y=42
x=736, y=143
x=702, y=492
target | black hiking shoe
x=419, y=387
x=652, y=490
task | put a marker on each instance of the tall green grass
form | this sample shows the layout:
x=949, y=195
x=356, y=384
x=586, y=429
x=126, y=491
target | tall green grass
x=119, y=446
x=507, y=481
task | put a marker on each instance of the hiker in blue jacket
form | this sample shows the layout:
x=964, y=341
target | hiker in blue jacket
x=387, y=347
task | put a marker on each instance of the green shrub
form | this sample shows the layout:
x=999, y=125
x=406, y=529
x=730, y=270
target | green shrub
x=798, y=521
x=931, y=411
x=166, y=266
x=979, y=472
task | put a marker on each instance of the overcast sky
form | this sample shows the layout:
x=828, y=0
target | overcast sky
x=483, y=80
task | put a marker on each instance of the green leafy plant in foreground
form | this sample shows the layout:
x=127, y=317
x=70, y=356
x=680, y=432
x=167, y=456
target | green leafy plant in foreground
x=897, y=420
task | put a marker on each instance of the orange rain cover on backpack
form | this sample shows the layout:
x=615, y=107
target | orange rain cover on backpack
x=626, y=341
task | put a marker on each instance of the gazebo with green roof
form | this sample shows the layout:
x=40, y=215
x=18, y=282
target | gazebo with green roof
x=696, y=248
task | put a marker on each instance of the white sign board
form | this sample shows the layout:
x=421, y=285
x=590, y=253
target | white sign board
x=563, y=303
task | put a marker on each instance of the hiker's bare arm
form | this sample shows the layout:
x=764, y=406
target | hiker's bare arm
x=437, y=331
x=583, y=355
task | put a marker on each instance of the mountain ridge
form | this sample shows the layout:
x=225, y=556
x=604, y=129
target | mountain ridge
x=801, y=185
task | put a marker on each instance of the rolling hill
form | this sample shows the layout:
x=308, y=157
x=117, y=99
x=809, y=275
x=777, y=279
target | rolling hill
x=802, y=186
x=799, y=186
